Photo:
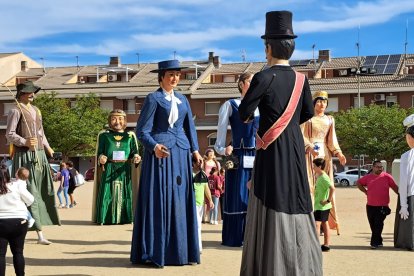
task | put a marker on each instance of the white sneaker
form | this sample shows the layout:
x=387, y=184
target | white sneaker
x=216, y=222
x=30, y=222
x=44, y=242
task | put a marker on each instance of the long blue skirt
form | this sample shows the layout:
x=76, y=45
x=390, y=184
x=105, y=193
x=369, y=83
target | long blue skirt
x=235, y=201
x=165, y=222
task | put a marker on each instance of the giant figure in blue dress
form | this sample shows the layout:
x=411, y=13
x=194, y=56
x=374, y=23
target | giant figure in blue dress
x=165, y=224
x=243, y=146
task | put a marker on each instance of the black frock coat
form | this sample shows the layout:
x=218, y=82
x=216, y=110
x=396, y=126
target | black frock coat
x=280, y=176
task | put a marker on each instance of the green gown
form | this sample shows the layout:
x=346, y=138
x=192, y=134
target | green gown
x=113, y=183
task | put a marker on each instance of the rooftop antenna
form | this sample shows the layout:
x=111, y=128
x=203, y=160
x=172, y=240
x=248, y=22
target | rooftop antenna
x=175, y=53
x=137, y=58
x=77, y=62
x=243, y=55
x=313, y=56
x=358, y=45
x=406, y=41
x=43, y=65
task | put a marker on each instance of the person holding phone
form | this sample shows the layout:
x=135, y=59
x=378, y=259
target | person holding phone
x=165, y=224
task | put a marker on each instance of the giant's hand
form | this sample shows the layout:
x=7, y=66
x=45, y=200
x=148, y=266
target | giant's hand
x=197, y=158
x=31, y=143
x=313, y=152
x=50, y=151
x=161, y=151
x=404, y=213
x=137, y=159
x=342, y=158
x=102, y=159
x=228, y=151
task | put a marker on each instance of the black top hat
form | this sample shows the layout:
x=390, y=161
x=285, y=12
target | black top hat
x=27, y=87
x=279, y=25
x=168, y=65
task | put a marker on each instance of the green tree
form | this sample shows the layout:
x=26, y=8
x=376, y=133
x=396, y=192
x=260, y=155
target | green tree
x=72, y=129
x=374, y=130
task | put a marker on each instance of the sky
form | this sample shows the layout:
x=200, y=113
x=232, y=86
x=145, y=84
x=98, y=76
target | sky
x=88, y=32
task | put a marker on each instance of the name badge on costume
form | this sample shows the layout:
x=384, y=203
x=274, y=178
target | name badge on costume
x=118, y=155
x=248, y=162
x=320, y=149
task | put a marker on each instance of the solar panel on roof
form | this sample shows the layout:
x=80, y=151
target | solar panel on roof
x=370, y=60
x=300, y=62
x=391, y=68
x=384, y=64
x=394, y=59
x=383, y=59
x=380, y=68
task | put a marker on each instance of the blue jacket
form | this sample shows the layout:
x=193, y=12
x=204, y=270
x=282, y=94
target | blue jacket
x=153, y=127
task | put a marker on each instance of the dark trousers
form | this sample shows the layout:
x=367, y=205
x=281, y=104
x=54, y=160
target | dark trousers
x=221, y=200
x=376, y=222
x=12, y=231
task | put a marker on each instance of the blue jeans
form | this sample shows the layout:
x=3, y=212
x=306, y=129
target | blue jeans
x=214, y=212
x=65, y=193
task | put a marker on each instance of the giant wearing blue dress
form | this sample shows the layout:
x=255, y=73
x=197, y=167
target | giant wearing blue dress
x=165, y=225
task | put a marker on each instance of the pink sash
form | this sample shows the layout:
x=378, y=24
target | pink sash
x=279, y=126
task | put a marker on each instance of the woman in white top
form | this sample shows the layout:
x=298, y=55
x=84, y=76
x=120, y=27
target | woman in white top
x=14, y=197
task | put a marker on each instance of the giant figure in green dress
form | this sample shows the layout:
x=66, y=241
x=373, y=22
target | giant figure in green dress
x=116, y=179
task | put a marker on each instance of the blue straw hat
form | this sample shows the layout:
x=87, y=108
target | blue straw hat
x=168, y=65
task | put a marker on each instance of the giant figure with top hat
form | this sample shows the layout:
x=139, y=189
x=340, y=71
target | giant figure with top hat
x=29, y=146
x=165, y=224
x=321, y=142
x=116, y=172
x=280, y=236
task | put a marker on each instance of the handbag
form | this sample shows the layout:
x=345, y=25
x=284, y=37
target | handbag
x=79, y=180
x=385, y=210
x=231, y=162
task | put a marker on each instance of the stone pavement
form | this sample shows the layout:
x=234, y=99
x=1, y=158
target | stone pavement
x=82, y=248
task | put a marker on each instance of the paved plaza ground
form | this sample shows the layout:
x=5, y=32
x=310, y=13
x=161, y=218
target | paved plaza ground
x=82, y=248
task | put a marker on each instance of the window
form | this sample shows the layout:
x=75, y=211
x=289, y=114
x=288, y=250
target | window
x=332, y=105
x=212, y=108
x=7, y=107
x=230, y=78
x=130, y=106
x=356, y=102
x=390, y=100
x=107, y=105
x=212, y=137
x=138, y=107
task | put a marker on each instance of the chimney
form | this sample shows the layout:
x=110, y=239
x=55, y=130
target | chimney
x=210, y=57
x=324, y=55
x=115, y=62
x=216, y=62
x=23, y=66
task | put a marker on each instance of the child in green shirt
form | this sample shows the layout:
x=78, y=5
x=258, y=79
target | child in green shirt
x=202, y=193
x=324, y=190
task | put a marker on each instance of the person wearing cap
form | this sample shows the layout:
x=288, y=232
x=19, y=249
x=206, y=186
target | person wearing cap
x=26, y=136
x=243, y=140
x=321, y=142
x=280, y=237
x=404, y=222
x=165, y=224
x=116, y=172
